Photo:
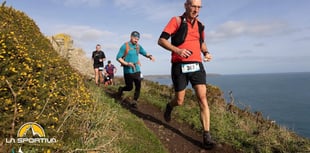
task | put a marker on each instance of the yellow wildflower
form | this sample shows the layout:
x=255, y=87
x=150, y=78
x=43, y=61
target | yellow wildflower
x=55, y=119
x=8, y=101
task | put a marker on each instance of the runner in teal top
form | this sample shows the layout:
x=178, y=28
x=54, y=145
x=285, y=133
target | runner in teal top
x=128, y=56
x=132, y=56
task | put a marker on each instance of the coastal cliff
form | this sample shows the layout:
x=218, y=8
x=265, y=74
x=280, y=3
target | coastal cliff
x=40, y=83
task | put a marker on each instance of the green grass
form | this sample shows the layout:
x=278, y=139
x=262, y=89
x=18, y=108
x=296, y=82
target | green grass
x=238, y=127
x=125, y=132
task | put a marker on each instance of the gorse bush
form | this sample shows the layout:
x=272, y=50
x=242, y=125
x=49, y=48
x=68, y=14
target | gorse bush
x=36, y=84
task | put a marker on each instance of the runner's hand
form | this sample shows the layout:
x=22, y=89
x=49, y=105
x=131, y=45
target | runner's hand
x=131, y=65
x=152, y=58
x=207, y=57
x=184, y=53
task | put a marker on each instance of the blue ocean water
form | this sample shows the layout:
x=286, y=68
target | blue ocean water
x=283, y=97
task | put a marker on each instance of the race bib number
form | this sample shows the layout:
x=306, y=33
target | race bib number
x=192, y=67
x=100, y=68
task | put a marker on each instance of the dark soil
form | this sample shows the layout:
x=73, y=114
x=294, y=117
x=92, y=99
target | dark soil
x=176, y=137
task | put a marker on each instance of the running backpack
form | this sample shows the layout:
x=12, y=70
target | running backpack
x=127, y=50
x=179, y=37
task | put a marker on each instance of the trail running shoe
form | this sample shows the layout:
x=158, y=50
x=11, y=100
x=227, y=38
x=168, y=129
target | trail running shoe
x=208, y=143
x=167, y=114
x=120, y=92
x=134, y=104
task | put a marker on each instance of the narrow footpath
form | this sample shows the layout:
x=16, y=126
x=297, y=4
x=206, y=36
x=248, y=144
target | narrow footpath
x=176, y=137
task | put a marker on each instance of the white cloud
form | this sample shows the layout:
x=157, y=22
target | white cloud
x=87, y=37
x=245, y=58
x=126, y=3
x=259, y=44
x=153, y=9
x=231, y=29
x=304, y=38
x=84, y=33
x=77, y=3
x=147, y=36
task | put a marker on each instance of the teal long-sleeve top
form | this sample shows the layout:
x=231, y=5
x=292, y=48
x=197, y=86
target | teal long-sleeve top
x=132, y=57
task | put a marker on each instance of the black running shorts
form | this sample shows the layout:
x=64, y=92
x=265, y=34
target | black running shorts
x=99, y=66
x=180, y=80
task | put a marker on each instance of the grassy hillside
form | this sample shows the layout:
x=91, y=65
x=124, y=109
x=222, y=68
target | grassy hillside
x=37, y=85
x=241, y=128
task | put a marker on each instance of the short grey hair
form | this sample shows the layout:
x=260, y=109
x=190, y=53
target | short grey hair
x=188, y=1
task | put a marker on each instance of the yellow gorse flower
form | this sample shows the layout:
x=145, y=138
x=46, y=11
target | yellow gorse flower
x=44, y=83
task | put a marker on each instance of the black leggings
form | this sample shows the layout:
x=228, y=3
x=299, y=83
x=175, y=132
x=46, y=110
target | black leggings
x=129, y=80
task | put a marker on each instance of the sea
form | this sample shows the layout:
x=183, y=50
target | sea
x=282, y=97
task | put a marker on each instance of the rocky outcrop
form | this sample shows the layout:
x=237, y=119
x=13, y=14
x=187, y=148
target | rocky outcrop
x=77, y=58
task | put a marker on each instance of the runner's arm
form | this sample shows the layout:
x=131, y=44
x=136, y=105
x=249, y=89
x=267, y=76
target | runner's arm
x=145, y=54
x=123, y=62
x=163, y=42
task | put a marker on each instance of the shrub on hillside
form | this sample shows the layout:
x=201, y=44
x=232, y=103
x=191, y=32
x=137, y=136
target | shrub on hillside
x=36, y=85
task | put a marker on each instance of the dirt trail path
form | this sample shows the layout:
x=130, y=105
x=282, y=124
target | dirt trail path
x=176, y=137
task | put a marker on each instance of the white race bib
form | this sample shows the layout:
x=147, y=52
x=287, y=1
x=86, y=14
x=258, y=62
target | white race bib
x=192, y=67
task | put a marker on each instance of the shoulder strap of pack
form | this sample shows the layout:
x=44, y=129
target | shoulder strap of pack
x=178, y=19
x=128, y=48
x=137, y=48
x=180, y=34
x=200, y=28
x=181, y=21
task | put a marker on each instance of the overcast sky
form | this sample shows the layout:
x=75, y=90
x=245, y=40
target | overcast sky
x=244, y=36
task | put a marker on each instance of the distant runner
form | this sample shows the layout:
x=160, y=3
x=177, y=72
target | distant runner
x=109, y=71
x=98, y=57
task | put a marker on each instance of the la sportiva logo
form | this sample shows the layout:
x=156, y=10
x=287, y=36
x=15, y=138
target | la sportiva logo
x=35, y=130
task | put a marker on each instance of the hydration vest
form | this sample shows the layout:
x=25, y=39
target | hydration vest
x=179, y=36
x=127, y=50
